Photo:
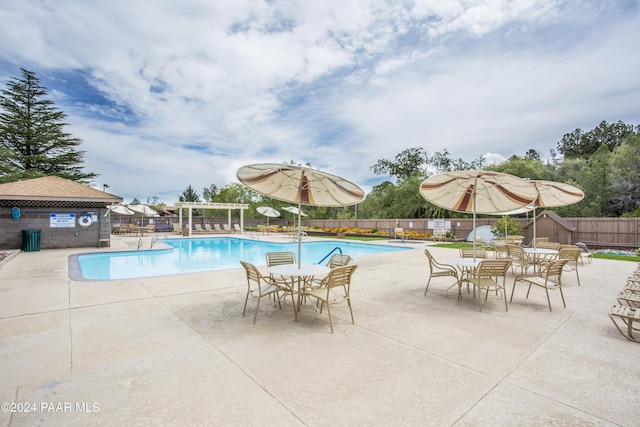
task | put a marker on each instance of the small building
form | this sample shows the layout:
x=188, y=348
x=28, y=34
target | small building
x=550, y=225
x=66, y=214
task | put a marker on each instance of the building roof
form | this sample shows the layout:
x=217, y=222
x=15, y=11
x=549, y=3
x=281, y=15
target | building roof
x=555, y=217
x=53, y=189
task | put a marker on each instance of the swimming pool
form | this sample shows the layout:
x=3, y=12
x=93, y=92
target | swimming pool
x=203, y=254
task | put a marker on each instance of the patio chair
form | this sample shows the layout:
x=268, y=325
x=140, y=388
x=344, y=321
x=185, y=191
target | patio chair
x=279, y=258
x=339, y=277
x=468, y=253
x=535, y=242
x=437, y=269
x=151, y=228
x=573, y=256
x=550, y=279
x=487, y=276
x=123, y=228
x=176, y=228
x=260, y=286
x=627, y=316
x=586, y=253
x=520, y=259
x=549, y=245
x=500, y=248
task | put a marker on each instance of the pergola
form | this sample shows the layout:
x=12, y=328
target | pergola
x=204, y=205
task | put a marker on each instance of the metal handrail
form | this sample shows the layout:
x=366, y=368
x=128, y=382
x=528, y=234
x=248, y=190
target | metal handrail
x=330, y=253
x=392, y=232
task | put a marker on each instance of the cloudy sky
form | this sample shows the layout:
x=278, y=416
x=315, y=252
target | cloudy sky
x=166, y=94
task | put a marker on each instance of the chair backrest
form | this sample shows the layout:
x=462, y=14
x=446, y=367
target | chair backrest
x=339, y=276
x=217, y=227
x=535, y=242
x=468, y=253
x=515, y=251
x=253, y=274
x=338, y=260
x=554, y=269
x=549, y=245
x=207, y=227
x=570, y=254
x=237, y=227
x=432, y=261
x=493, y=268
x=198, y=227
x=279, y=258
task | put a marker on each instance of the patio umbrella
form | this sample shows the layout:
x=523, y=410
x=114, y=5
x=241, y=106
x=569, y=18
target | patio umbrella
x=475, y=192
x=268, y=212
x=301, y=184
x=553, y=194
x=294, y=210
x=144, y=210
x=119, y=209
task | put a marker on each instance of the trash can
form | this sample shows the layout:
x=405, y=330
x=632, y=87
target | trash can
x=185, y=232
x=30, y=240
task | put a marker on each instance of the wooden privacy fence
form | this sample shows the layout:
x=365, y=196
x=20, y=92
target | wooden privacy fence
x=622, y=233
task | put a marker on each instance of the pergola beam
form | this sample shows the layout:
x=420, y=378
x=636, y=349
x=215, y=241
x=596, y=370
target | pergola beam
x=212, y=206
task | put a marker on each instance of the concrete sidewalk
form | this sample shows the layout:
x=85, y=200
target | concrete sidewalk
x=176, y=351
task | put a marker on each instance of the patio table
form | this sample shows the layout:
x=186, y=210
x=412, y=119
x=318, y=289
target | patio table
x=304, y=273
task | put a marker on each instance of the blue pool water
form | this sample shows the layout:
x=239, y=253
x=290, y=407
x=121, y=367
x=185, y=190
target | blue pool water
x=206, y=254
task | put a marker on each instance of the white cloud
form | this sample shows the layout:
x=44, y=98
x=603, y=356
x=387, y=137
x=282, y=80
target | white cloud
x=340, y=83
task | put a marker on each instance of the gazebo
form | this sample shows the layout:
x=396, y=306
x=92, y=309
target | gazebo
x=204, y=205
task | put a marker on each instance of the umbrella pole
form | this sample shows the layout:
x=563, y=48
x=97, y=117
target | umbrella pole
x=535, y=245
x=475, y=185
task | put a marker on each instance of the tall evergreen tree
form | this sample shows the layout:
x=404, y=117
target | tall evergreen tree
x=32, y=140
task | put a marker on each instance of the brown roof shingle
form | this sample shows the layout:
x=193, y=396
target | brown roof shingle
x=54, y=188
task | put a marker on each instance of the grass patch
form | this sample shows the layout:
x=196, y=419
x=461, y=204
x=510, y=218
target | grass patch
x=617, y=257
x=459, y=245
x=362, y=239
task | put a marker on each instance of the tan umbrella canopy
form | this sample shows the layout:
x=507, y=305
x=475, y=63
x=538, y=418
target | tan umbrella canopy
x=144, y=210
x=478, y=192
x=268, y=212
x=119, y=209
x=553, y=194
x=300, y=184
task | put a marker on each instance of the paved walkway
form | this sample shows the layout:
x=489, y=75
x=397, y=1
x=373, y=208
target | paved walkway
x=176, y=351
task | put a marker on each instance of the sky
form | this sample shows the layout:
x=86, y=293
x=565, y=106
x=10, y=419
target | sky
x=167, y=94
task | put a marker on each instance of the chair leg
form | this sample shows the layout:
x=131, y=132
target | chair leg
x=255, y=316
x=428, y=281
x=548, y=300
x=246, y=299
x=329, y=313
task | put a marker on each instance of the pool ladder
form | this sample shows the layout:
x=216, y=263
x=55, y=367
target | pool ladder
x=331, y=252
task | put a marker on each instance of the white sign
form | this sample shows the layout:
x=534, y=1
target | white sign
x=62, y=220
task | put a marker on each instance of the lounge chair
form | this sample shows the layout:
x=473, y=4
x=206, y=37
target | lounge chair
x=207, y=228
x=176, y=228
x=487, y=276
x=260, y=286
x=198, y=228
x=237, y=228
x=629, y=297
x=227, y=228
x=151, y=228
x=437, y=269
x=550, y=279
x=339, y=277
x=630, y=317
x=218, y=229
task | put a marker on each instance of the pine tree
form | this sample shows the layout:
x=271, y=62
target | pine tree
x=32, y=140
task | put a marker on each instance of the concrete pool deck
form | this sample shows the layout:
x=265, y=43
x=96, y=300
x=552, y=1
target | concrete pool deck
x=176, y=350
